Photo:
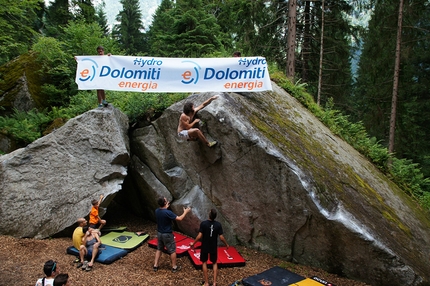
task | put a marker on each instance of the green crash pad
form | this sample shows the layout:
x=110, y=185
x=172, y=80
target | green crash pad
x=113, y=228
x=125, y=240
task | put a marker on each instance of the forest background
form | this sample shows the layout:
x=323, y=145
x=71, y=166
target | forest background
x=369, y=83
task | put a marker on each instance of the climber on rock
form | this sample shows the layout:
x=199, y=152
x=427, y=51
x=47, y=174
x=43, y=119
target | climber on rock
x=186, y=129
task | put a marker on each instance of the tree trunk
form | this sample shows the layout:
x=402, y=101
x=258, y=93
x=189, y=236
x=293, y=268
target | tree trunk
x=395, y=80
x=321, y=54
x=306, y=47
x=291, y=40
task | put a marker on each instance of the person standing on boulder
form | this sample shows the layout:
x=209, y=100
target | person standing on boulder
x=101, y=96
x=186, y=129
x=165, y=237
x=208, y=233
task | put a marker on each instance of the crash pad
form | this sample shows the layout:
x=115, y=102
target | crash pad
x=310, y=282
x=124, y=240
x=182, y=243
x=273, y=276
x=107, y=255
x=226, y=257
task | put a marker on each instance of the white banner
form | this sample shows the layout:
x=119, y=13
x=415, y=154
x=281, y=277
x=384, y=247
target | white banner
x=147, y=74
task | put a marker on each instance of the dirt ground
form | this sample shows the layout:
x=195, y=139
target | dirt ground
x=21, y=263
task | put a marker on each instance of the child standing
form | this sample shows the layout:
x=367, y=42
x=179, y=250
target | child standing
x=95, y=221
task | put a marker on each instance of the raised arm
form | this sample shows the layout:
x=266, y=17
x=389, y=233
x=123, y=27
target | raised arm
x=181, y=217
x=100, y=200
x=204, y=104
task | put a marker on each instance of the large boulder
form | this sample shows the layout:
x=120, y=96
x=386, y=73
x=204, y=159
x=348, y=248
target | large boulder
x=282, y=183
x=46, y=186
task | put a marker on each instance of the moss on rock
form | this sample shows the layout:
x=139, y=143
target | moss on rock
x=23, y=67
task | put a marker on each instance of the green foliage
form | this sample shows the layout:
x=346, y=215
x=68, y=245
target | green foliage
x=139, y=105
x=18, y=22
x=184, y=30
x=128, y=32
x=102, y=18
x=336, y=78
x=81, y=38
x=25, y=127
x=57, y=16
x=408, y=175
x=56, y=70
x=84, y=10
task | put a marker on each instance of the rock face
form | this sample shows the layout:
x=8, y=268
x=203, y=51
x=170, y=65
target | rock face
x=284, y=184
x=46, y=186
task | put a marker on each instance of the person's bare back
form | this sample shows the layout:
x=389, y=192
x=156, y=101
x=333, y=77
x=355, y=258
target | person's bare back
x=187, y=121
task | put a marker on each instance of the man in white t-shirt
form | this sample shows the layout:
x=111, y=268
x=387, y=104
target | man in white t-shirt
x=51, y=270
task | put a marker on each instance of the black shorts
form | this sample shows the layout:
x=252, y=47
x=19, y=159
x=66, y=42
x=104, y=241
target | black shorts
x=212, y=256
x=94, y=226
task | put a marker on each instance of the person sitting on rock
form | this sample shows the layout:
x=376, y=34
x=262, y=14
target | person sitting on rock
x=186, y=129
x=92, y=242
x=95, y=221
x=78, y=235
x=79, y=242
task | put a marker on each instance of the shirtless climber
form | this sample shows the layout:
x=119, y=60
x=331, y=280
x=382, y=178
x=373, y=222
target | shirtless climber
x=186, y=129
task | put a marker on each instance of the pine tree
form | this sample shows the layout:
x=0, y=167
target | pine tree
x=58, y=14
x=160, y=29
x=129, y=31
x=84, y=10
x=185, y=30
x=102, y=18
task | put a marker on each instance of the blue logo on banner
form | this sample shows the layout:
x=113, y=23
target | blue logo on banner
x=88, y=72
x=191, y=76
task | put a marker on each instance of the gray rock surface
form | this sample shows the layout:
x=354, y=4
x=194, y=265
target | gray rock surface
x=283, y=183
x=46, y=186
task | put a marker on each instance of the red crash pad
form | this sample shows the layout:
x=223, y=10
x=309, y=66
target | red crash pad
x=182, y=243
x=226, y=257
